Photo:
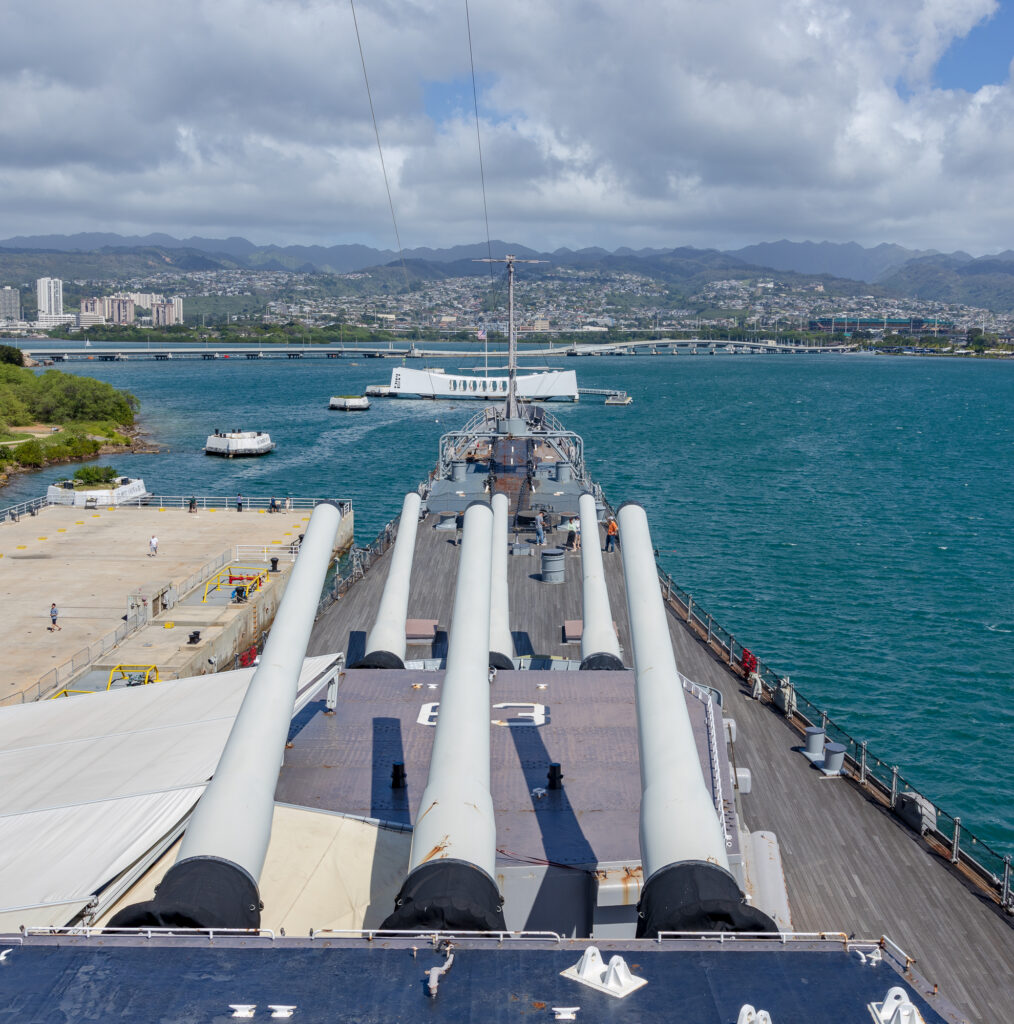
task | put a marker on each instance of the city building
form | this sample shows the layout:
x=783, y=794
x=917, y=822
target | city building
x=49, y=293
x=121, y=311
x=167, y=314
x=144, y=300
x=49, y=320
x=10, y=304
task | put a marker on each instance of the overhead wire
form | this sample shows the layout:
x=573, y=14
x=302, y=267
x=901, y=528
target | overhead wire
x=478, y=141
x=380, y=149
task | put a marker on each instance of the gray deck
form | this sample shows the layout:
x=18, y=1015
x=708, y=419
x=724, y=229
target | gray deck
x=849, y=865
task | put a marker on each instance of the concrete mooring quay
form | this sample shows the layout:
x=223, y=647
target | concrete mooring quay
x=120, y=604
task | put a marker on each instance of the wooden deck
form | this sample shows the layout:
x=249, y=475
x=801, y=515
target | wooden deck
x=537, y=610
x=849, y=865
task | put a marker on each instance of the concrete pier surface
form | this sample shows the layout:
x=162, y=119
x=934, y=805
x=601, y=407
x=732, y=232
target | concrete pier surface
x=120, y=604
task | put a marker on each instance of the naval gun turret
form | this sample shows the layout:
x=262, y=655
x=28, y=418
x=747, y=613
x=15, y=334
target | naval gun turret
x=453, y=858
x=688, y=885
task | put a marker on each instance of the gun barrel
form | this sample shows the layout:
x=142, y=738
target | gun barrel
x=688, y=885
x=501, y=643
x=385, y=644
x=213, y=883
x=600, y=648
x=452, y=862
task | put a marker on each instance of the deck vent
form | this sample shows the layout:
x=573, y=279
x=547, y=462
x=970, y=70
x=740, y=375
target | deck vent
x=554, y=566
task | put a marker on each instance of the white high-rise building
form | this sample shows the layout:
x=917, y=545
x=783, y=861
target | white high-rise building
x=10, y=304
x=49, y=292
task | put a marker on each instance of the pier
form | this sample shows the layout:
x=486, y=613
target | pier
x=118, y=604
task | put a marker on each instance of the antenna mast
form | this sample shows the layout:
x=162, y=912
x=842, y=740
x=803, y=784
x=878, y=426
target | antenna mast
x=511, y=408
x=512, y=344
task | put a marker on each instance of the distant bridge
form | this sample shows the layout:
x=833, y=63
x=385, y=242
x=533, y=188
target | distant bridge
x=109, y=352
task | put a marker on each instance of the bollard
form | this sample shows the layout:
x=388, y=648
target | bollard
x=834, y=758
x=814, y=748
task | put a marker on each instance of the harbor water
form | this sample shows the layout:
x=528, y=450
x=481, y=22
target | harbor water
x=846, y=517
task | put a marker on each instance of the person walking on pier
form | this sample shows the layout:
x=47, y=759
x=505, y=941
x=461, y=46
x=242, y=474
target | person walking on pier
x=239, y=502
x=53, y=613
x=153, y=546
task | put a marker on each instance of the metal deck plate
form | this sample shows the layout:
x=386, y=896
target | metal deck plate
x=342, y=762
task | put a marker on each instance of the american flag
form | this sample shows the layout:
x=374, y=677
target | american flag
x=481, y=335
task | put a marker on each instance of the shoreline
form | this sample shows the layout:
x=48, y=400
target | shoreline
x=138, y=444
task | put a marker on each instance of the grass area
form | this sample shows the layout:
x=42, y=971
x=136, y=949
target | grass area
x=86, y=413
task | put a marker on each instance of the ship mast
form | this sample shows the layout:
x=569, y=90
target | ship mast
x=512, y=344
x=511, y=408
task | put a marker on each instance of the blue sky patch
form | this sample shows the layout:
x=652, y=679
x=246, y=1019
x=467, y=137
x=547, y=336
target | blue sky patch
x=445, y=101
x=982, y=57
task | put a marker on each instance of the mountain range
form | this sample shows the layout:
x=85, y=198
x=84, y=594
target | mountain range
x=885, y=270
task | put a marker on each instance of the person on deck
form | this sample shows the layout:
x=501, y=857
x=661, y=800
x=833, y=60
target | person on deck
x=612, y=532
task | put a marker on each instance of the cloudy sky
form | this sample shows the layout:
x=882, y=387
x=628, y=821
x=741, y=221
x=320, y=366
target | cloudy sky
x=646, y=122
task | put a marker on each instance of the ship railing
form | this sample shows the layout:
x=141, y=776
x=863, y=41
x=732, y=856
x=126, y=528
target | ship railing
x=714, y=756
x=369, y=934
x=105, y=932
x=354, y=565
x=943, y=832
x=847, y=942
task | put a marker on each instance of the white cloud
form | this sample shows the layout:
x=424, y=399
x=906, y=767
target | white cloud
x=654, y=123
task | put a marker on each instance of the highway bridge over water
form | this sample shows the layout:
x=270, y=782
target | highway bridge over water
x=117, y=352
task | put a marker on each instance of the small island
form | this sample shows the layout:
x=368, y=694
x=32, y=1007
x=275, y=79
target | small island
x=56, y=417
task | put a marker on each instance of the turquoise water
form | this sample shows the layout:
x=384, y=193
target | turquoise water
x=847, y=518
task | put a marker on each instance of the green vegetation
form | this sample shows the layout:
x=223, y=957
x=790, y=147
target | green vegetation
x=213, y=309
x=90, y=411
x=96, y=475
x=10, y=356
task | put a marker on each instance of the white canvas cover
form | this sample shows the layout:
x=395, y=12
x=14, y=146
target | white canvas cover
x=92, y=783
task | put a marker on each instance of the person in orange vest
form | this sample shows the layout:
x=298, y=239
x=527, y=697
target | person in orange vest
x=612, y=531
